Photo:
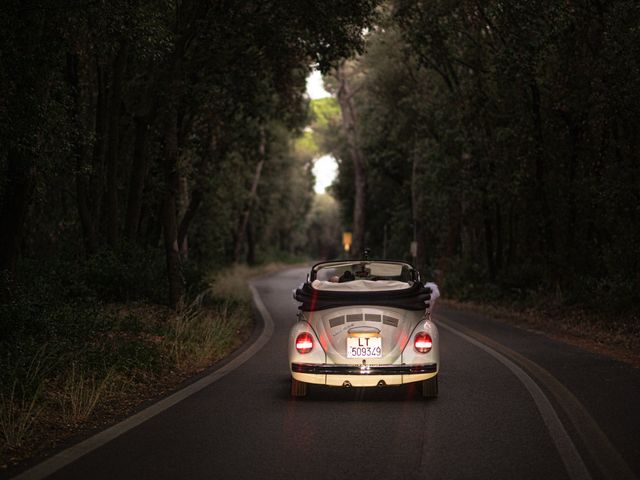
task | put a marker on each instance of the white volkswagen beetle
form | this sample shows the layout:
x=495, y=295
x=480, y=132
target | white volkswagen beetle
x=364, y=323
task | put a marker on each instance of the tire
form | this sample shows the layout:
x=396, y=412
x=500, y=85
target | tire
x=430, y=387
x=299, y=389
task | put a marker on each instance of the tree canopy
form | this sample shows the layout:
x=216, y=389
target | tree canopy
x=502, y=137
x=144, y=125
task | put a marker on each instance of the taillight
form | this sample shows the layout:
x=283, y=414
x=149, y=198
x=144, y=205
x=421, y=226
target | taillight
x=422, y=342
x=304, y=342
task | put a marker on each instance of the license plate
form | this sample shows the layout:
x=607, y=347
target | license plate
x=364, y=347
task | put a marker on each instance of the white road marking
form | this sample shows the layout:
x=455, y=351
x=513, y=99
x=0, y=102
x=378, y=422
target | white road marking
x=572, y=460
x=73, y=453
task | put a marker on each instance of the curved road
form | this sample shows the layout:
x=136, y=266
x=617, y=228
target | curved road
x=513, y=405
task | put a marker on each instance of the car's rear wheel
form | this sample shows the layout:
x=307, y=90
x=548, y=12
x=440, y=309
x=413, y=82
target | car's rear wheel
x=299, y=389
x=430, y=387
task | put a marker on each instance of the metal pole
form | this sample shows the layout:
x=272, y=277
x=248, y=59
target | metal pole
x=414, y=246
x=384, y=243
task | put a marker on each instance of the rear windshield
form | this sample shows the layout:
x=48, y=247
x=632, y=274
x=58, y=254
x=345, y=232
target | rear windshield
x=362, y=270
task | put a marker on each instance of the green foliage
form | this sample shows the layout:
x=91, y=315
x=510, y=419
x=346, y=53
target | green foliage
x=124, y=126
x=305, y=145
x=285, y=196
x=108, y=106
x=324, y=112
x=508, y=147
x=65, y=354
x=324, y=232
x=325, y=125
x=127, y=273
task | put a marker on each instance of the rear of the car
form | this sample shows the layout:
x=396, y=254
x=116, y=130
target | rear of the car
x=366, y=334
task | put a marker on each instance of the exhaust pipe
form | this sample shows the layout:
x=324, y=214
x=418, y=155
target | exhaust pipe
x=382, y=383
x=346, y=384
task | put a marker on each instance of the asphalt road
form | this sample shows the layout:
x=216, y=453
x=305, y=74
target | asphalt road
x=513, y=404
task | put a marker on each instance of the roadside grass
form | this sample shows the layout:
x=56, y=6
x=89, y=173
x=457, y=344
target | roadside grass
x=81, y=393
x=231, y=282
x=18, y=414
x=611, y=335
x=598, y=312
x=201, y=334
x=71, y=367
x=21, y=398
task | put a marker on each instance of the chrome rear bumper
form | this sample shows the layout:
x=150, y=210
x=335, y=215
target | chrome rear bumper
x=329, y=369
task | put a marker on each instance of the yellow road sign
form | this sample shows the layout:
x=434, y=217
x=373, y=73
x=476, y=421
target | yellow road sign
x=346, y=240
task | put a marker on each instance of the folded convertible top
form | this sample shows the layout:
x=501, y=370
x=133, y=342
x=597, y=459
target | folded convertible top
x=416, y=297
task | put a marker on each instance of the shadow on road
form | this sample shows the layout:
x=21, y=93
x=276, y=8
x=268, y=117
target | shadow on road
x=322, y=393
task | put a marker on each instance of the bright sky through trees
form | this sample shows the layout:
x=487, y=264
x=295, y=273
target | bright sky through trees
x=325, y=170
x=325, y=167
x=315, y=86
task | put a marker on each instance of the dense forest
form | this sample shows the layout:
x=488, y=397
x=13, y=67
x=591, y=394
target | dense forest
x=146, y=146
x=128, y=127
x=502, y=137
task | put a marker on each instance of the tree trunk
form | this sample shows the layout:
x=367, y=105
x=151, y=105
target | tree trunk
x=511, y=236
x=82, y=118
x=14, y=206
x=84, y=212
x=499, y=239
x=169, y=212
x=488, y=239
x=95, y=182
x=151, y=219
x=572, y=250
x=548, y=239
x=111, y=199
x=139, y=169
x=169, y=215
x=198, y=192
x=251, y=245
x=244, y=219
x=418, y=227
x=194, y=204
x=183, y=204
x=349, y=126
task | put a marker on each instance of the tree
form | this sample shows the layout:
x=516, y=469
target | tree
x=345, y=75
x=476, y=127
x=141, y=107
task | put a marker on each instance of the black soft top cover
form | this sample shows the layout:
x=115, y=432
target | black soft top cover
x=416, y=297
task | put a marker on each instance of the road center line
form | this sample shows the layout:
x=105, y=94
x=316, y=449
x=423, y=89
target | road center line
x=71, y=454
x=572, y=460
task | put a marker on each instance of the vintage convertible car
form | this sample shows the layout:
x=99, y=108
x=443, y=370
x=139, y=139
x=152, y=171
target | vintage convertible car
x=364, y=323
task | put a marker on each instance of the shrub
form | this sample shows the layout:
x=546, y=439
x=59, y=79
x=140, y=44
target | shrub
x=127, y=273
x=81, y=393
